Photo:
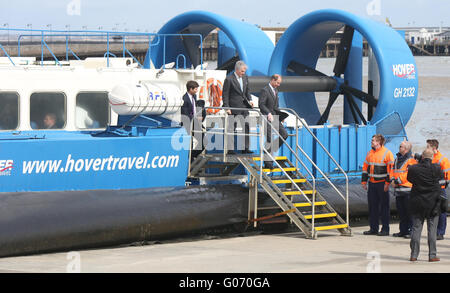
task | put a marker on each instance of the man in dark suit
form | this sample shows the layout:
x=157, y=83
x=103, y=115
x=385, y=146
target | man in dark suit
x=190, y=98
x=236, y=95
x=269, y=106
x=189, y=111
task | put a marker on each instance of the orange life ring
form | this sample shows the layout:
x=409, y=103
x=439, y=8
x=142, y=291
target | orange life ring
x=201, y=93
x=215, y=94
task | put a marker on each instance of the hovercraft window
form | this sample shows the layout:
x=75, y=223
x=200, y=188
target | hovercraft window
x=48, y=110
x=9, y=110
x=92, y=110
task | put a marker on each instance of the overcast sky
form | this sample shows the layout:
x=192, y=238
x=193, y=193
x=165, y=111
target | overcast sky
x=150, y=15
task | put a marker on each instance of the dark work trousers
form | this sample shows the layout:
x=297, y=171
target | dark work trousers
x=417, y=232
x=402, y=202
x=442, y=225
x=378, y=207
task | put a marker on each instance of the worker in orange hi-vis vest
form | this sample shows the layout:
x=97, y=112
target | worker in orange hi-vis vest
x=402, y=187
x=376, y=179
x=438, y=158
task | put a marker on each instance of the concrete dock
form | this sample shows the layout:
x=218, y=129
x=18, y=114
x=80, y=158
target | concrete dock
x=252, y=252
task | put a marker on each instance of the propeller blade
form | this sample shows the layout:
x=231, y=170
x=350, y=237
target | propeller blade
x=303, y=70
x=355, y=109
x=343, y=51
x=191, y=45
x=369, y=99
x=229, y=64
x=370, y=109
x=326, y=113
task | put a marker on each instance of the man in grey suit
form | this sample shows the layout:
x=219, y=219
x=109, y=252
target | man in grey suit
x=236, y=95
x=269, y=106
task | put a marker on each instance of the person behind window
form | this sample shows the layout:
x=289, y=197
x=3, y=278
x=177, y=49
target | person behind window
x=50, y=121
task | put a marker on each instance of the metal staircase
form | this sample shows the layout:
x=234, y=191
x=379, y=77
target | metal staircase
x=293, y=193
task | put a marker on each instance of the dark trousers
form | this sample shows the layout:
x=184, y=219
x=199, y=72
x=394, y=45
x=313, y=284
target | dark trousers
x=442, y=225
x=273, y=146
x=197, y=132
x=378, y=201
x=417, y=232
x=233, y=121
x=402, y=202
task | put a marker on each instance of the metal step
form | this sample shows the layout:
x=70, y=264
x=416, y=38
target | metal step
x=281, y=158
x=321, y=216
x=331, y=227
x=296, y=192
x=275, y=170
x=307, y=204
x=282, y=181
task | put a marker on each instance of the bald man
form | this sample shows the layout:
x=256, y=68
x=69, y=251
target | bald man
x=425, y=203
x=402, y=187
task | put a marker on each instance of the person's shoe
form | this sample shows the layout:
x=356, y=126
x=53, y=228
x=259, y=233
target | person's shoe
x=370, y=232
x=383, y=233
x=407, y=236
x=398, y=234
x=413, y=259
x=434, y=259
x=247, y=152
x=440, y=237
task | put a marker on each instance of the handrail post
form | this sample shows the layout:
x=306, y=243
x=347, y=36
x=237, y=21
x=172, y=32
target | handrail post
x=201, y=52
x=18, y=45
x=42, y=48
x=190, y=146
x=261, y=147
x=107, y=49
x=225, y=137
x=296, y=141
x=123, y=46
x=67, y=48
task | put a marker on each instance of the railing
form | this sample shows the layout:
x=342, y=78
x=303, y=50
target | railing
x=261, y=136
x=317, y=168
x=153, y=41
x=264, y=152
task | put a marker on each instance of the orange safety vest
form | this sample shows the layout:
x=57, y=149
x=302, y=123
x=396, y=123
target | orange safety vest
x=438, y=158
x=399, y=174
x=377, y=166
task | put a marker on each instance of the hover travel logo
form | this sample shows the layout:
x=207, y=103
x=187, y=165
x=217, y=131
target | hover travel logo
x=6, y=166
x=406, y=71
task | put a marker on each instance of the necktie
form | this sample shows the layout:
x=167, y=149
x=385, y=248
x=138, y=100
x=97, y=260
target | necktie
x=193, y=104
x=240, y=83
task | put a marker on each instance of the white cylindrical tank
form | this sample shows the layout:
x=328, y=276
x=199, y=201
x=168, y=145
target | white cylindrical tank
x=145, y=98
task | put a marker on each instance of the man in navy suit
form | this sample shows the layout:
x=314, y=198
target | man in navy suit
x=269, y=106
x=190, y=98
x=236, y=94
x=189, y=110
